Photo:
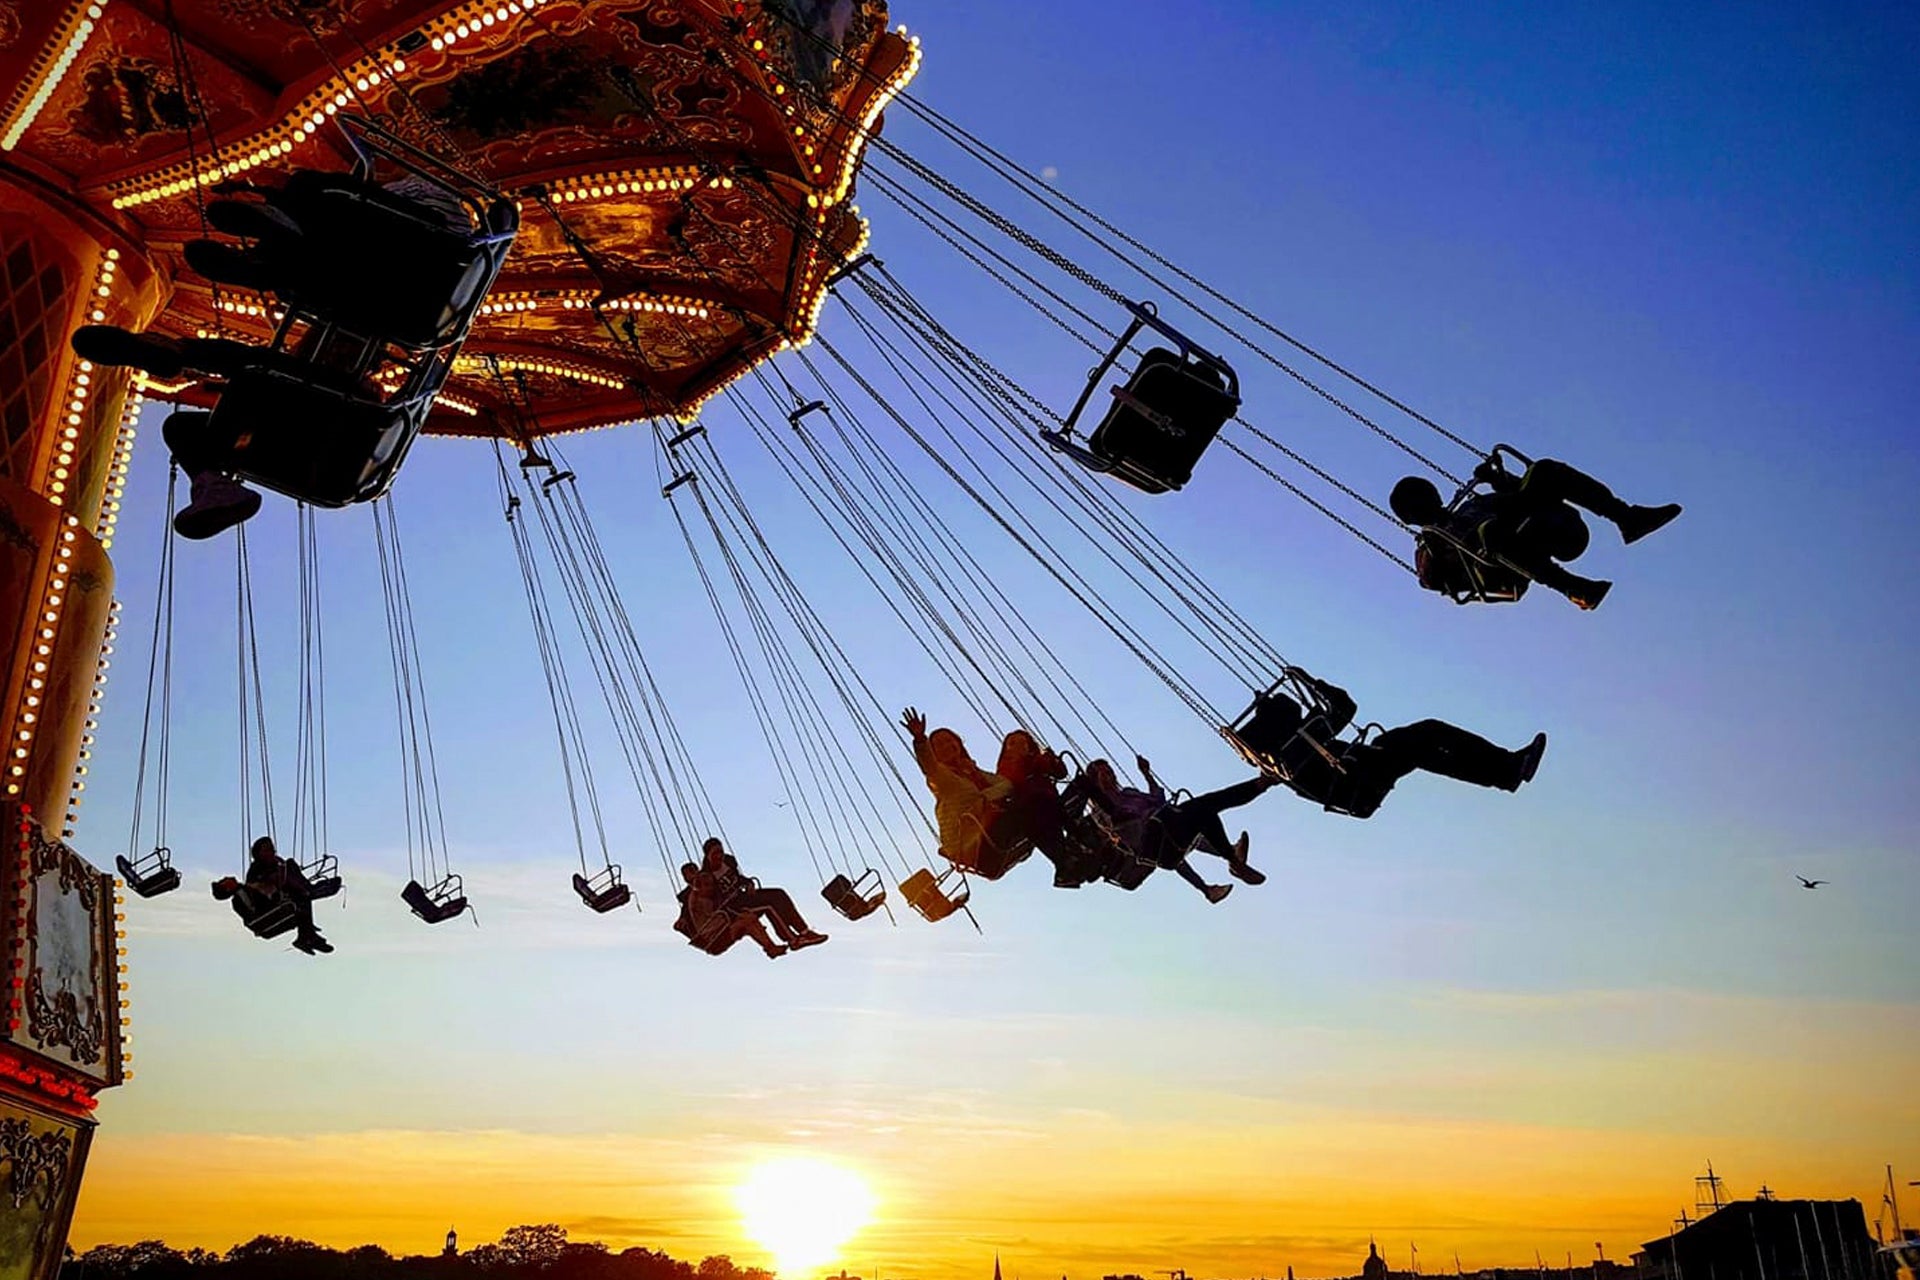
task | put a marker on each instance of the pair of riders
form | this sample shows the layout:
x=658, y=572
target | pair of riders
x=989, y=821
x=721, y=905
x=291, y=245
x=273, y=884
x=1520, y=530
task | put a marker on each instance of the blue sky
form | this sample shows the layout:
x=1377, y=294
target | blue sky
x=1675, y=247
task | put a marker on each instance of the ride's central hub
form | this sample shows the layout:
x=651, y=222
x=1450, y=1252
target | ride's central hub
x=682, y=168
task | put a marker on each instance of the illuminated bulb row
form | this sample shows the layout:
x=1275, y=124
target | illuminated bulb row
x=858, y=140
x=52, y=602
x=582, y=300
x=76, y=40
x=120, y=985
x=458, y=405
x=251, y=310
x=17, y=888
x=301, y=124
x=118, y=468
x=634, y=182
x=104, y=661
x=474, y=19
x=79, y=387
x=576, y=373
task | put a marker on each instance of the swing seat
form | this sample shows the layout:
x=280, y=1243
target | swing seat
x=323, y=877
x=858, y=898
x=1162, y=418
x=1445, y=565
x=265, y=917
x=937, y=897
x=992, y=860
x=1162, y=421
x=439, y=904
x=319, y=442
x=387, y=266
x=715, y=935
x=604, y=892
x=1263, y=733
x=150, y=875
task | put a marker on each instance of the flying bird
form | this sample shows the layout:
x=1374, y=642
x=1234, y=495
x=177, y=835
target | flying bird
x=1810, y=884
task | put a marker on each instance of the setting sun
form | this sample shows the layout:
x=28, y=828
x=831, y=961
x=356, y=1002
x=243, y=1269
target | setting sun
x=803, y=1210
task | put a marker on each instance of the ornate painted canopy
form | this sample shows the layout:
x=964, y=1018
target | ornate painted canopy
x=702, y=150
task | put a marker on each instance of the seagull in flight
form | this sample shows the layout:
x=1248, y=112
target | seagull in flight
x=1810, y=884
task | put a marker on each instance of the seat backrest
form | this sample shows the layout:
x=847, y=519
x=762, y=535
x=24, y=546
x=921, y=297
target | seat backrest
x=1162, y=421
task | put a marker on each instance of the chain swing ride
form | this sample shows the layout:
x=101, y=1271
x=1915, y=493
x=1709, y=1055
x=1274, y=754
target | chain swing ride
x=652, y=240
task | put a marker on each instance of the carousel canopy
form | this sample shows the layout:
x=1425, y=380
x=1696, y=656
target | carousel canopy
x=684, y=164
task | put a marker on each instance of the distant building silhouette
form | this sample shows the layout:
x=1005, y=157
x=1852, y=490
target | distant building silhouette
x=1375, y=1267
x=1766, y=1239
x=453, y=1245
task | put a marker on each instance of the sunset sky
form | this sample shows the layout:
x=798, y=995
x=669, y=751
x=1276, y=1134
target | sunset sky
x=1674, y=245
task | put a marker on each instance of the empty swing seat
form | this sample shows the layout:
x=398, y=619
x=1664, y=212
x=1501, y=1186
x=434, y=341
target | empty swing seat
x=937, y=897
x=858, y=898
x=1162, y=420
x=439, y=904
x=604, y=892
x=151, y=874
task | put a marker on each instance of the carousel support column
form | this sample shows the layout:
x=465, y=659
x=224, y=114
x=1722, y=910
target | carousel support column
x=66, y=429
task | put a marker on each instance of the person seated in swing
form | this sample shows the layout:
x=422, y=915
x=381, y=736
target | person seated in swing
x=966, y=798
x=1526, y=522
x=739, y=895
x=989, y=822
x=1355, y=776
x=272, y=881
x=709, y=925
x=1164, y=831
x=206, y=453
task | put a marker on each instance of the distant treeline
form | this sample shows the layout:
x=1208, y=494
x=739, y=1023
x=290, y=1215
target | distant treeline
x=528, y=1251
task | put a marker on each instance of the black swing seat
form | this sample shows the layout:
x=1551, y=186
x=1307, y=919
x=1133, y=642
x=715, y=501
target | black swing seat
x=1162, y=419
x=604, y=891
x=265, y=915
x=335, y=436
x=856, y=898
x=1445, y=564
x=439, y=904
x=323, y=877
x=1265, y=737
x=150, y=875
x=410, y=278
x=937, y=897
x=1454, y=562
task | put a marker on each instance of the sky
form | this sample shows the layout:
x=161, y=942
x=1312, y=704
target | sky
x=1673, y=246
